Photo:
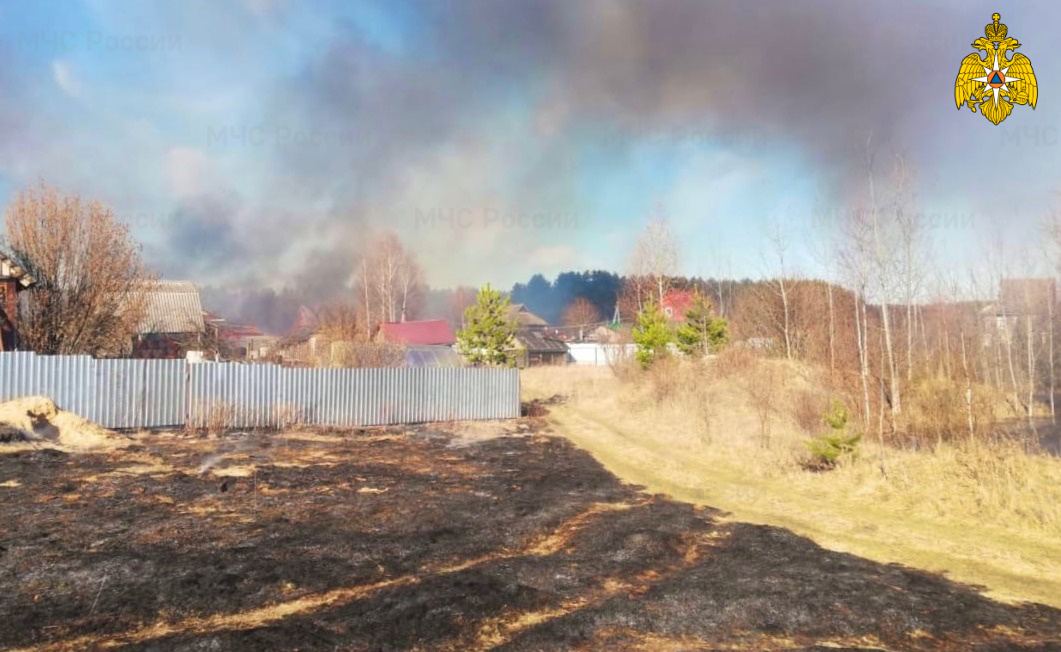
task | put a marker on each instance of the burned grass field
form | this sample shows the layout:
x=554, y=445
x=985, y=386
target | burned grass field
x=425, y=539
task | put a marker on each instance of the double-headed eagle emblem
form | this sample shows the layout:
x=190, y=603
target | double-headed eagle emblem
x=995, y=83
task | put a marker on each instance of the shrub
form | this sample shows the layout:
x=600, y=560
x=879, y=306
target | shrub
x=665, y=379
x=212, y=420
x=828, y=449
x=937, y=410
x=763, y=385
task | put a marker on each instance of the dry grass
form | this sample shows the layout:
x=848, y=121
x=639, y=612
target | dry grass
x=41, y=423
x=732, y=435
x=212, y=420
x=807, y=411
x=694, y=408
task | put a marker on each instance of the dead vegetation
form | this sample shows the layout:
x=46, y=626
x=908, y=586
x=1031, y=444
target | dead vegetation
x=91, y=281
x=36, y=421
x=212, y=421
x=740, y=402
x=734, y=434
x=411, y=539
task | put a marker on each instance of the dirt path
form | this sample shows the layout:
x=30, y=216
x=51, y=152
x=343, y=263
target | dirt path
x=387, y=539
x=877, y=534
x=857, y=528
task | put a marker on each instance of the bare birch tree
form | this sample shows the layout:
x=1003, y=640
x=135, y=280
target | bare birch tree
x=854, y=256
x=655, y=258
x=1004, y=326
x=780, y=245
x=832, y=327
x=390, y=281
x=1052, y=227
x=912, y=240
x=882, y=258
x=824, y=245
x=581, y=314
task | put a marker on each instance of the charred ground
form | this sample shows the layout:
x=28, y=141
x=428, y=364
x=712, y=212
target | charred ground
x=397, y=539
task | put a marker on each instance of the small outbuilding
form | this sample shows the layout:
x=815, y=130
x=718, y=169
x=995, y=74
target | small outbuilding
x=173, y=321
x=535, y=348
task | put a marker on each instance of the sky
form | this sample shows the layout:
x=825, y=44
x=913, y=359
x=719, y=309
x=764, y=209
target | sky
x=258, y=143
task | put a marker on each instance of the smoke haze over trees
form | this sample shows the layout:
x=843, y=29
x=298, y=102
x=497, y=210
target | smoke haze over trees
x=549, y=300
x=348, y=126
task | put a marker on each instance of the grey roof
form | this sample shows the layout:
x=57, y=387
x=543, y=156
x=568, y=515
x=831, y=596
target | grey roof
x=535, y=342
x=172, y=307
x=432, y=356
x=525, y=318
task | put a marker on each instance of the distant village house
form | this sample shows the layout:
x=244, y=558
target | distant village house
x=525, y=319
x=1020, y=300
x=433, y=332
x=675, y=304
x=535, y=344
x=236, y=341
x=173, y=321
x=427, y=343
x=535, y=348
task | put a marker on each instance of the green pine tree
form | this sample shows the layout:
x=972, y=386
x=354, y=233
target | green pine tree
x=488, y=338
x=829, y=448
x=701, y=333
x=651, y=335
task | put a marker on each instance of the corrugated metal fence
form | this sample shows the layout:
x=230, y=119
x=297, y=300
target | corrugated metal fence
x=172, y=393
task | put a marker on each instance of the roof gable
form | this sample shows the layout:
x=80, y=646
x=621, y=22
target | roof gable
x=524, y=318
x=305, y=326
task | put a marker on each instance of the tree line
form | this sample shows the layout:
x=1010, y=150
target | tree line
x=896, y=333
x=906, y=348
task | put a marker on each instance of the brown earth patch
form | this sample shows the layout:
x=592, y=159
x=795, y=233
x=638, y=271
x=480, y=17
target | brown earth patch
x=399, y=539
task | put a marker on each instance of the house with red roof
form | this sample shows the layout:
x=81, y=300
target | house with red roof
x=428, y=332
x=676, y=303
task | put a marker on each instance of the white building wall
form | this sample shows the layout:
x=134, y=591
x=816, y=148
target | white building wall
x=597, y=354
